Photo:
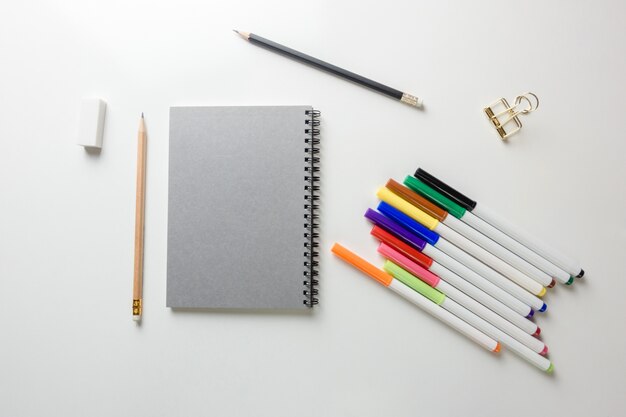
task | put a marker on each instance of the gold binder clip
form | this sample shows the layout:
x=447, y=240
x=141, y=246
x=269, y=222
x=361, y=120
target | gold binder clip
x=501, y=113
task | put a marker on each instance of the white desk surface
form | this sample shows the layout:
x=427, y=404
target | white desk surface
x=68, y=346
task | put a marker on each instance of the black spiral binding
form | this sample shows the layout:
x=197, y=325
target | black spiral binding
x=311, y=206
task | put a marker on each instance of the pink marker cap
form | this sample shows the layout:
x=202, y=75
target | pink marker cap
x=412, y=267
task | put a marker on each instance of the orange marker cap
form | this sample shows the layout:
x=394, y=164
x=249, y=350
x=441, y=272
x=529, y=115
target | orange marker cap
x=361, y=264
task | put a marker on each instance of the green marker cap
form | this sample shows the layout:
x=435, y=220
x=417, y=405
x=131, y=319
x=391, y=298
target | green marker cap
x=415, y=283
x=434, y=196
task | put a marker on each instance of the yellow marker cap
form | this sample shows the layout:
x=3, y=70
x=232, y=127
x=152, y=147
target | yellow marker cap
x=386, y=195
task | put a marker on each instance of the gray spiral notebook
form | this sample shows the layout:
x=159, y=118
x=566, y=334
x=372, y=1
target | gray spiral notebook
x=242, y=207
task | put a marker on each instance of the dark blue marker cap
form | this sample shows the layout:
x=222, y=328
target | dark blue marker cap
x=395, y=229
x=408, y=223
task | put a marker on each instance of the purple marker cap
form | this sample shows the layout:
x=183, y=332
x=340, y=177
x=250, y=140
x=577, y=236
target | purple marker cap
x=393, y=227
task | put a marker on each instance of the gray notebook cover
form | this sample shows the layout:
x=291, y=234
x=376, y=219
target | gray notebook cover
x=236, y=207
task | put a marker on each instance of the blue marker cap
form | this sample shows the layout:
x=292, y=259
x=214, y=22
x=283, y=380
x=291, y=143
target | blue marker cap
x=408, y=223
x=395, y=229
x=543, y=307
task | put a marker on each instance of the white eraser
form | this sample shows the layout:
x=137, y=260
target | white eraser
x=92, y=112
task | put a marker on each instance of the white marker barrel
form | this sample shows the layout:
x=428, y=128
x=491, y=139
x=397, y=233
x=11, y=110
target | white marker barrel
x=485, y=299
x=480, y=324
x=516, y=247
x=481, y=282
x=443, y=315
x=568, y=265
x=496, y=263
x=484, y=313
x=493, y=276
x=498, y=250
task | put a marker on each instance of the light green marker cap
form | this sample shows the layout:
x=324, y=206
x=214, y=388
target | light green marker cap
x=417, y=284
x=434, y=196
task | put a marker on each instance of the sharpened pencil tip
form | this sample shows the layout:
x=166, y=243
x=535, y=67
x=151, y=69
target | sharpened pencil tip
x=142, y=115
x=244, y=35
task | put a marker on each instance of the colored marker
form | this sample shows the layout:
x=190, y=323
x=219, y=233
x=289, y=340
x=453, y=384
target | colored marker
x=511, y=294
x=516, y=233
x=474, y=264
x=462, y=242
x=469, y=232
x=456, y=280
x=448, y=201
x=453, y=307
x=430, y=304
x=450, y=289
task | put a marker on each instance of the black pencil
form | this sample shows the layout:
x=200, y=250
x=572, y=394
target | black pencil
x=325, y=66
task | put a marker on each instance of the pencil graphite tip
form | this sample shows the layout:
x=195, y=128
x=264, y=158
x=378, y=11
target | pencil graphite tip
x=142, y=124
x=245, y=35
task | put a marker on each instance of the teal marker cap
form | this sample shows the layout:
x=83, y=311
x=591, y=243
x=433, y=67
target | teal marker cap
x=416, y=284
x=434, y=196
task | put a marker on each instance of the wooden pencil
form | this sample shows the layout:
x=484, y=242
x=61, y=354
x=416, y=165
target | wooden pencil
x=139, y=220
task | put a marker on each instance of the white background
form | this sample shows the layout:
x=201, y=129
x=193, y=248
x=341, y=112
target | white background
x=68, y=346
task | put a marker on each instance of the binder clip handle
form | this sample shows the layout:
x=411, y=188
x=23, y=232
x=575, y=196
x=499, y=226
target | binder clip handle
x=500, y=113
x=532, y=104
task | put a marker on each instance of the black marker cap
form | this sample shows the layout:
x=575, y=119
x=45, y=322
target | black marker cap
x=445, y=189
